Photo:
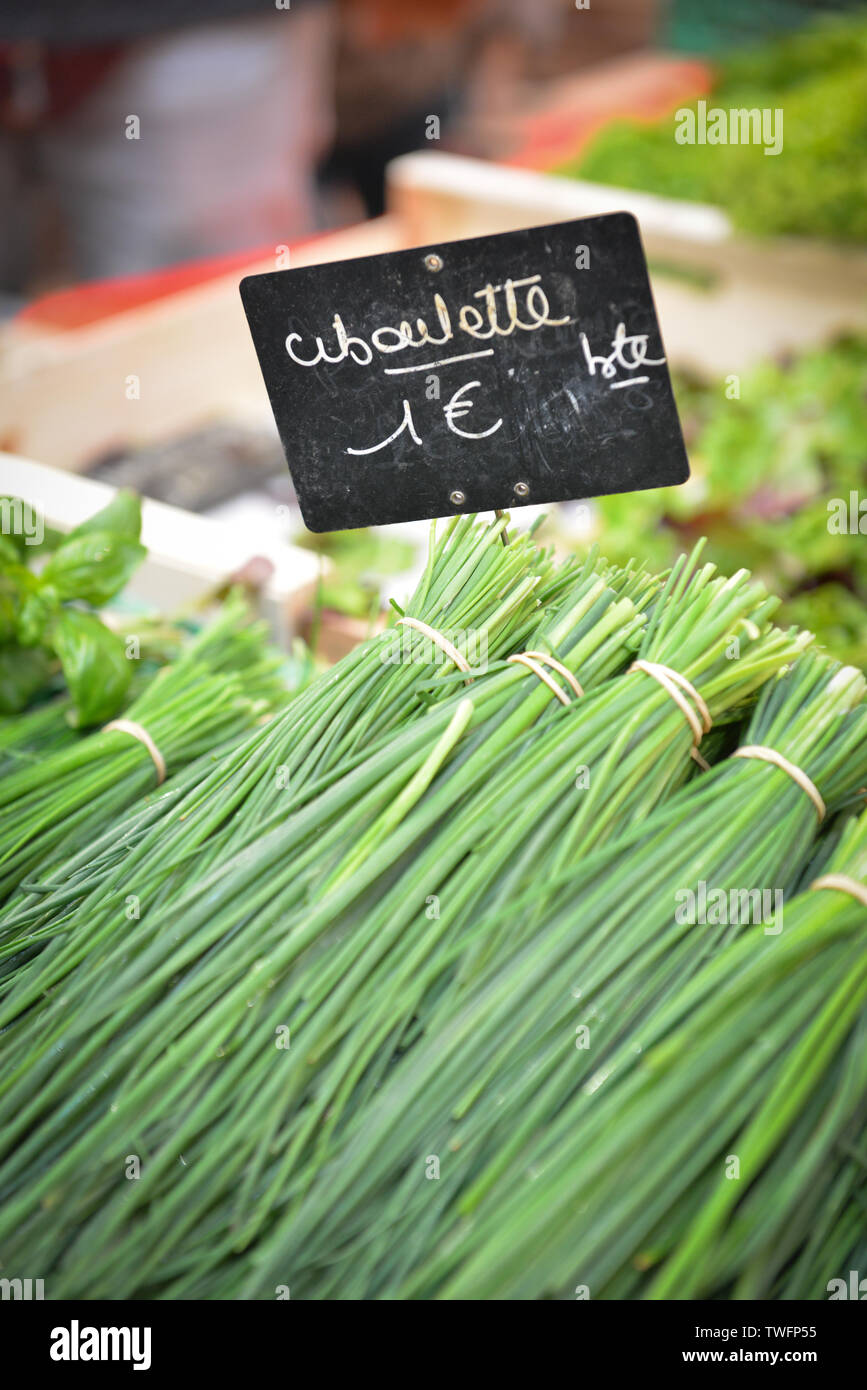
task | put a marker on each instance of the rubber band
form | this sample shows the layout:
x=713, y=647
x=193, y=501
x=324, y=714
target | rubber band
x=844, y=884
x=556, y=665
x=770, y=755
x=536, y=662
x=673, y=683
x=439, y=640
x=137, y=731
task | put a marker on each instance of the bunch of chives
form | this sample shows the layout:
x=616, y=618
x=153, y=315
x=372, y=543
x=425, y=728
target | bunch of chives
x=801, y=1090
x=472, y=585
x=834, y=1234
x=500, y=1061
x=224, y=680
x=263, y=868
x=210, y=954
x=36, y=732
x=809, y=1102
x=649, y=1191
x=50, y=724
x=767, y=1038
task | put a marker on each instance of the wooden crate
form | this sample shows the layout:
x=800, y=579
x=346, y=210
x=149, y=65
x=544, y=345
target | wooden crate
x=725, y=301
x=67, y=397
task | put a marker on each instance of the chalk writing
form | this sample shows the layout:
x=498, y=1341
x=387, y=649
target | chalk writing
x=472, y=320
x=471, y=375
x=629, y=351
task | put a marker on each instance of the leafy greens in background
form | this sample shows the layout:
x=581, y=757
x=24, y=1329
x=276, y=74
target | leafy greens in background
x=360, y=562
x=766, y=468
x=46, y=617
x=816, y=186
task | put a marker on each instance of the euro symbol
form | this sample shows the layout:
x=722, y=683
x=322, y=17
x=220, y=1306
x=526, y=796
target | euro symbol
x=457, y=408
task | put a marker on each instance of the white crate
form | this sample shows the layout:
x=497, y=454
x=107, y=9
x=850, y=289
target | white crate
x=187, y=554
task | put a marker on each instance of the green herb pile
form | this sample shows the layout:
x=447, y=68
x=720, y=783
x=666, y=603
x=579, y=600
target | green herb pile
x=815, y=186
x=225, y=681
x=338, y=1034
x=473, y=584
x=47, y=616
x=774, y=472
x=566, y=1004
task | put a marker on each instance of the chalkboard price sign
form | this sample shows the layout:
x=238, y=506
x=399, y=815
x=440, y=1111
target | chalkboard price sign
x=473, y=375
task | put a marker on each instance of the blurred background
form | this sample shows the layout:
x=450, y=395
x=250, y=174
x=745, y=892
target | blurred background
x=152, y=155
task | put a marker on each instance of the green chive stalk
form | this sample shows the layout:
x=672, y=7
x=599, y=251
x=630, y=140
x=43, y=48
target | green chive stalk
x=472, y=585
x=224, y=680
x=247, y=937
x=500, y=1058
x=262, y=873
x=35, y=733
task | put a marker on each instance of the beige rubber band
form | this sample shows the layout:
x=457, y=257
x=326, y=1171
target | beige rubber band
x=547, y=660
x=844, y=884
x=673, y=683
x=438, y=640
x=137, y=731
x=533, y=660
x=556, y=665
x=770, y=755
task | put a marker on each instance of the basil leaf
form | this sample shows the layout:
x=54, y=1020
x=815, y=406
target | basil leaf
x=121, y=517
x=23, y=671
x=94, y=665
x=35, y=614
x=51, y=539
x=92, y=567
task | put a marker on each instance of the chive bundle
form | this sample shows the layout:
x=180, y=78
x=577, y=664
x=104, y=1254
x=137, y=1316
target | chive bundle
x=472, y=585
x=371, y=930
x=699, y=1098
x=275, y=929
x=223, y=681
x=500, y=1062
x=500, y=1077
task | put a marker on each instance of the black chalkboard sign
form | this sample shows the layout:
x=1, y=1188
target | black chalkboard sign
x=473, y=375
